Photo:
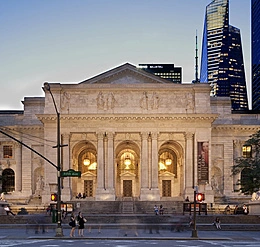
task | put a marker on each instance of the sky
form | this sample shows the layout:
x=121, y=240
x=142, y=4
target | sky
x=69, y=41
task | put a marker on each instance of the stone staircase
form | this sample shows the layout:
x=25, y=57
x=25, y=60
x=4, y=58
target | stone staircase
x=127, y=206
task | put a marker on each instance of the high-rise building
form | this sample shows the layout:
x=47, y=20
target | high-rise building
x=255, y=25
x=222, y=58
x=165, y=71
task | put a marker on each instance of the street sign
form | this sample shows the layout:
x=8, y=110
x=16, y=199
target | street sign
x=70, y=173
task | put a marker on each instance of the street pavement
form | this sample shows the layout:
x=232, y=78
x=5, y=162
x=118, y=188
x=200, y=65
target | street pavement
x=125, y=232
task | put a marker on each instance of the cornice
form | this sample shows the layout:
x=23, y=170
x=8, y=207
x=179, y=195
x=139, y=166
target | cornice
x=133, y=117
x=237, y=127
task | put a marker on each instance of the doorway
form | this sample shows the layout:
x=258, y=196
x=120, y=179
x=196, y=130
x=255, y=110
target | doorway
x=127, y=188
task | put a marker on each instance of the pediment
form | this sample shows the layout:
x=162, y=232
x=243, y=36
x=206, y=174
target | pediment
x=125, y=74
x=167, y=174
x=88, y=174
x=127, y=174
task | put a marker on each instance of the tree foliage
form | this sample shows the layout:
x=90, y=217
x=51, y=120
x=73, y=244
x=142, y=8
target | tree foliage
x=249, y=167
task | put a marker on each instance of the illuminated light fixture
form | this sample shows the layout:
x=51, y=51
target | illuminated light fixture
x=86, y=162
x=127, y=163
x=93, y=166
x=162, y=166
x=168, y=162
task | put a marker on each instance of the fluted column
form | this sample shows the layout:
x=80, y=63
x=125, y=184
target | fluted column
x=154, y=193
x=144, y=166
x=18, y=177
x=100, y=161
x=189, y=166
x=110, y=162
x=105, y=173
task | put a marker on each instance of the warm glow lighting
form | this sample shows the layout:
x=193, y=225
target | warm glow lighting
x=86, y=162
x=93, y=166
x=162, y=166
x=168, y=162
x=127, y=163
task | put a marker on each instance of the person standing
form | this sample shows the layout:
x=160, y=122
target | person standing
x=73, y=225
x=81, y=221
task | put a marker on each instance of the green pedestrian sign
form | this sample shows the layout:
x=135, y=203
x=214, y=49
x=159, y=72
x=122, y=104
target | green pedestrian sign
x=70, y=173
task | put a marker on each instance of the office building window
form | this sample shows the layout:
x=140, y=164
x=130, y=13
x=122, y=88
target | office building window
x=8, y=151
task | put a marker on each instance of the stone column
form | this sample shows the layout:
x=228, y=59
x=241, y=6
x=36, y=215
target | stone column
x=105, y=173
x=189, y=166
x=18, y=176
x=155, y=193
x=144, y=167
x=26, y=171
x=100, y=166
x=66, y=182
x=110, y=178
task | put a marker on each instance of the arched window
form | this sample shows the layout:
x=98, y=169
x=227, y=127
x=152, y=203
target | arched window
x=8, y=180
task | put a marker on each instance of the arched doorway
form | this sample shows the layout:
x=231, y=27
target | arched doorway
x=85, y=161
x=169, y=169
x=8, y=180
x=127, y=170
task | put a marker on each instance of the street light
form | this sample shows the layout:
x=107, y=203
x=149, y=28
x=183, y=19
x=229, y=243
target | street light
x=59, y=232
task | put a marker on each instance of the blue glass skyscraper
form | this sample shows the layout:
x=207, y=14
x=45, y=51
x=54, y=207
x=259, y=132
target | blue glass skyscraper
x=222, y=58
x=255, y=25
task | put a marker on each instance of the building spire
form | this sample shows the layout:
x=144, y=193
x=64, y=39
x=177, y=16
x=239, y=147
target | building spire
x=196, y=61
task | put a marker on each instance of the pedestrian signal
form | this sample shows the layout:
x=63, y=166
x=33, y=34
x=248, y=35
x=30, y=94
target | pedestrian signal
x=200, y=197
x=54, y=197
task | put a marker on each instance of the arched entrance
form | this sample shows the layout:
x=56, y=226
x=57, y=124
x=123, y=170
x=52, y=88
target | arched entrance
x=169, y=169
x=85, y=161
x=8, y=180
x=127, y=170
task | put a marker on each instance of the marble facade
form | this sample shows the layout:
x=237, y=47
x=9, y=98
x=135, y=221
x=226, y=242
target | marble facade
x=121, y=127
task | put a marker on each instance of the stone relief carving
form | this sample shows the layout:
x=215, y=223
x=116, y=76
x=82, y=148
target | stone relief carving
x=153, y=103
x=105, y=102
x=65, y=101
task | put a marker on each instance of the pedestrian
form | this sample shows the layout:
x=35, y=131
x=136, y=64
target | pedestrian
x=81, y=221
x=161, y=210
x=187, y=199
x=8, y=210
x=73, y=225
x=156, y=210
x=217, y=223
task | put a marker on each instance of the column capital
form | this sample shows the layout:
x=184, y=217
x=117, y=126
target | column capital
x=144, y=135
x=100, y=135
x=154, y=135
x=188, y=135
x=110, y=135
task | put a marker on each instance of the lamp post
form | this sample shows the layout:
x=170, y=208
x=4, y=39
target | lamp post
x=194, y=230
x=59, y=232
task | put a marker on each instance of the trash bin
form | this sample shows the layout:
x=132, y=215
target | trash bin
x=54, y=214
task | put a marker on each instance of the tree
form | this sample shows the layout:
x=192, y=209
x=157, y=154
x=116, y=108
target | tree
x=249, y=167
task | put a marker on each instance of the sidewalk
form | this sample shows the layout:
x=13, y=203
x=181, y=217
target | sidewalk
x=124, y=233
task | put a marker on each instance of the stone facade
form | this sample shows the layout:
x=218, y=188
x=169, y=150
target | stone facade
x=130, y=134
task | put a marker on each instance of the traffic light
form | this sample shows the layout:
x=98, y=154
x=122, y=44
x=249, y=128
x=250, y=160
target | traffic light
x=200, y=197
x=54, y=197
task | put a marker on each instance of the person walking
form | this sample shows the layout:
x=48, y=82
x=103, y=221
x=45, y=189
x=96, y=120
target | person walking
x=81, y=221
x=73, y=225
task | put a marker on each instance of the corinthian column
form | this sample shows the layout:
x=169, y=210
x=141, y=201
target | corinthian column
x=189, y=166
x=110, y=163
x=155, y=194
x=100, y=162
x=144, y=166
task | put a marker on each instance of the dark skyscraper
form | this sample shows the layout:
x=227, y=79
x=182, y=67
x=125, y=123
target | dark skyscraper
x=255, y=25
x=222, y=58
x=165, y=71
